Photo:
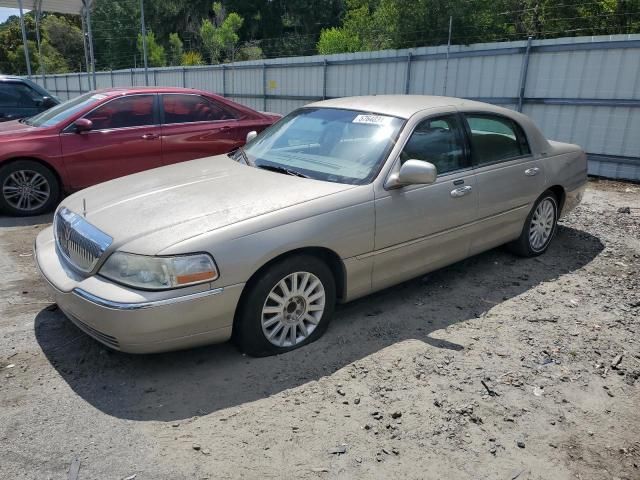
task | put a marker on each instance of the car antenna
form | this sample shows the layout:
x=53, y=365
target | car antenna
x=84, y=207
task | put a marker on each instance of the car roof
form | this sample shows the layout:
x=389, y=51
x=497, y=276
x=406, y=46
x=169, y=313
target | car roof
x=403, y=106
x=133, y=90
x=12, y=78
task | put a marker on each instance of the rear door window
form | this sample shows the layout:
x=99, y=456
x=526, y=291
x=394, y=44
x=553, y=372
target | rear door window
x=123, y=112
x=193, y=108
x=495, y=139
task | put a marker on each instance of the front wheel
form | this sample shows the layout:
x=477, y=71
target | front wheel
x=539, y=228
x=27, y=188
x=289, y=305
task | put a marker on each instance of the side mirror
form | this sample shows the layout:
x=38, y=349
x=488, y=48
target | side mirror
x=251, y=135
x=83, y=125
x=48, y=102
x=413, y=172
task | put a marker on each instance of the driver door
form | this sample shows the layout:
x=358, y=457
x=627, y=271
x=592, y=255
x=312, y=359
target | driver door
x=420, y=228
x=125, y=139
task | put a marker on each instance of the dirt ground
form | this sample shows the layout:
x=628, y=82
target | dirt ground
x=494, y=368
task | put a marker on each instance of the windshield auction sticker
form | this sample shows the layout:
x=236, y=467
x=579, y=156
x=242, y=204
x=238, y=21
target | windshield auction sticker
x=373, y=119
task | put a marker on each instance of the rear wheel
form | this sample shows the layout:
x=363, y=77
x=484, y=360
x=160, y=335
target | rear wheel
x=539, y=228
x=27, y=188
x=288, y=306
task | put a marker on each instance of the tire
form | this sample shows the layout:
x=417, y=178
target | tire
x=261, y=315
x=28, y=188
x=539, y=228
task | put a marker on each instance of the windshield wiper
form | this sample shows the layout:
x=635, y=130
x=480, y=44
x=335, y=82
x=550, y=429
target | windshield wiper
x=243, y=154
x=284, y=170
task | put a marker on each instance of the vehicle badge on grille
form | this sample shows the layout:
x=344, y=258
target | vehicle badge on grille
x=67, y=237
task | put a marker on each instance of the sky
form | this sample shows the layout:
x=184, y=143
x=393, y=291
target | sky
x=7, y=12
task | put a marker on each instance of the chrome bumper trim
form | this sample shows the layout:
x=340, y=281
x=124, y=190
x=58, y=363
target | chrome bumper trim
x=102, y=302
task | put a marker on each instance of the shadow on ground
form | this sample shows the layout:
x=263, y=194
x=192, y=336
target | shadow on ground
x=25, y=221
x=178, y=385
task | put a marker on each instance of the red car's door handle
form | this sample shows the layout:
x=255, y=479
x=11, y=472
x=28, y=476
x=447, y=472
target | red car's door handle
x=149, y=136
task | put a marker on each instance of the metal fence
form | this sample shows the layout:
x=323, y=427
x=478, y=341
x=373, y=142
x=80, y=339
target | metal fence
x=583, y=90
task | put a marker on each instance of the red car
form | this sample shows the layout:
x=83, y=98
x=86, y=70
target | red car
x=110, y=133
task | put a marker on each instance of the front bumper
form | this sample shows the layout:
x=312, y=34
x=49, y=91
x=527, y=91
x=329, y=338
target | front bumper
x=135, y=321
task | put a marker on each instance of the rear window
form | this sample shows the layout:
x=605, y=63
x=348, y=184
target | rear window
x=495, y=139
x=193, y=108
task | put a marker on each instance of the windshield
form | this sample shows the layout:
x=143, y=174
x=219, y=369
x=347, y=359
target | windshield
x=335, y=145
x=64, y=111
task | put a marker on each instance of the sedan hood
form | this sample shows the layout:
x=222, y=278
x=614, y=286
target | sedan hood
x=166, y=205
x=14, y=128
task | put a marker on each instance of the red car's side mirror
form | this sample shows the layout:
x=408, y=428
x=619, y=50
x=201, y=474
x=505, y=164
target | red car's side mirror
x=83, y=125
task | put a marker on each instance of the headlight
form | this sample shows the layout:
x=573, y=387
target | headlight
x=159, y=273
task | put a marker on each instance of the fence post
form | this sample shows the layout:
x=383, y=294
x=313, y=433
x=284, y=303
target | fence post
x=131, y=77
x=523, y=74
x=324, y=79
x=155, y=80
x=264, y=86
x=111, y=75
x=407, y=84
x=66, y=81
x=80, y=83
x=224, y=83
x=184, y=77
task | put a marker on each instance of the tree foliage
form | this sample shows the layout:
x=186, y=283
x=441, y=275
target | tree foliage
x=156, y=56
x=220, y=37
x=231, y=30
x=176, y=49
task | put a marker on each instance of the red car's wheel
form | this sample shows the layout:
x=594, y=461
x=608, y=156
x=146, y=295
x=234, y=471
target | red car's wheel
x=28, y=188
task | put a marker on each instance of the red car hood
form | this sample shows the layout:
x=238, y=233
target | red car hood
x=14, y=129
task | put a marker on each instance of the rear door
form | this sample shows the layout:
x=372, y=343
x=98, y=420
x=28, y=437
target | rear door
x=509, y=178
x=125, y=139
x=194, y=126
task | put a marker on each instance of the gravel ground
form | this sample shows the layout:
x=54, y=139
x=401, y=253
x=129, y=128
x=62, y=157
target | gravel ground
x=494, y=368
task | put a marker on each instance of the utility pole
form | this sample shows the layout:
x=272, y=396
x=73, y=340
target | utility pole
x=144, y=43
x=446, y=65
x=87, y=9
x=24, y=40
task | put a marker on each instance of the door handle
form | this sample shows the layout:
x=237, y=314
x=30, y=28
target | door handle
x=149, y=136
x=532, y=172
x=461, y=192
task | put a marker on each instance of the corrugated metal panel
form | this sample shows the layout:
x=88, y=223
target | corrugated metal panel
x=565, y=73
x=605, y=130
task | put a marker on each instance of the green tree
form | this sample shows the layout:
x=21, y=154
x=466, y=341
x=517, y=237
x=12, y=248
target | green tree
x=338, y=40
x=221, y=39
x=156, y=56
x=368, y=25
x=64, y=39
x=176, y=49
x=249, y=51
x=115, y=27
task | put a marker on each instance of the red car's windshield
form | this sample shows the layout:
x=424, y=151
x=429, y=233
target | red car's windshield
x=64, y=111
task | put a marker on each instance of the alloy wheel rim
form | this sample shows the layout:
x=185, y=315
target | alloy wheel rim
x=293, y=309
x=542, y=222
x=26, y=190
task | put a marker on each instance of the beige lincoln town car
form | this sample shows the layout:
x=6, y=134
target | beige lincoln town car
x=335, y=201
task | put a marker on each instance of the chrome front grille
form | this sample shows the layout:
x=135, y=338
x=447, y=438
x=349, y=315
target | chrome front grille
x=80, y=243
